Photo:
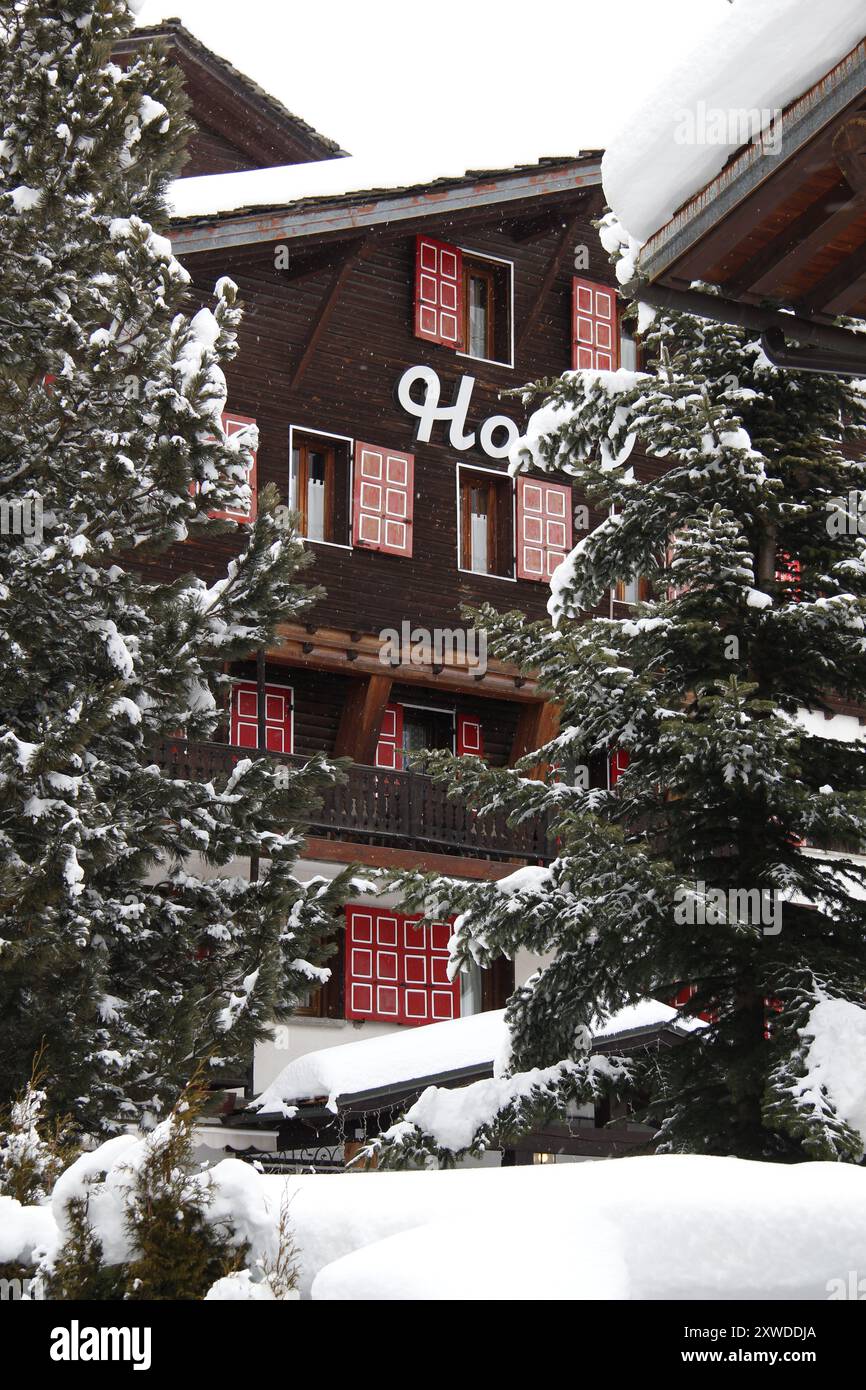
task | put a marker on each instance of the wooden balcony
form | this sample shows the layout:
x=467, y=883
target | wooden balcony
x=378, y=806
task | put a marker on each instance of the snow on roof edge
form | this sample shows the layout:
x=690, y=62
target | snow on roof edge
x=757, y=58
x=350, y=176
x=417, y=1054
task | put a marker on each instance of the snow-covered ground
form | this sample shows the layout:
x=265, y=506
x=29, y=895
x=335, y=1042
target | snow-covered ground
x=664, y=1227
x=759, y=56
x=633, y=1228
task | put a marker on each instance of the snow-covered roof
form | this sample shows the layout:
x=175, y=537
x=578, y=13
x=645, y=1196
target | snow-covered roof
x=758, y=57
x=212, y=195
x=453, y=1049
x=146, y=29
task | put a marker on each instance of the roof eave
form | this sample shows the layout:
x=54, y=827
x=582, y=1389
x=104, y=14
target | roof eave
x=801, y=121
x=362, y=212
x=396, y=1092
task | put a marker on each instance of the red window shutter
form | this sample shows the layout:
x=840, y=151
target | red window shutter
x=278, y=716
x=470, y=738
x=788, y=571
x=618, y=763
x=771, y=1007
x=233, y=424
x=683, y=996
x=428, y=996
x=543, y=527
x=438, y=292
x=595, y=330
x=397, y=969
x=389, y=749
x=383, y=499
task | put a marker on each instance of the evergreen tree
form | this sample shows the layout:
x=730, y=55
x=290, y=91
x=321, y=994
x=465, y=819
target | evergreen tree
x=130, y=945
x=694, y=871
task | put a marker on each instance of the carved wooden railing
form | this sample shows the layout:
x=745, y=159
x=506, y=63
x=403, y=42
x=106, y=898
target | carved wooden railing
x=376, y=805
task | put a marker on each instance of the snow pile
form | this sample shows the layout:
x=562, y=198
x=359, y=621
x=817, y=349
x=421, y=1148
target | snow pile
x=759, y=56
x=243, y=1287
x=836, y=1062
x=26, y=1233
x=413, y=1054
x=581, y=1230
x=844, y=728
x=105, y=1178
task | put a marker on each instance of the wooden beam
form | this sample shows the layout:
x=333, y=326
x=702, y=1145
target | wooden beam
x=550, y=274
x=537, y=724
x=329, y=649
x=814, y=216
x=808, y=245
x=840, y=290
x=332, y=294
x=303, y=267
x=531, y=228
x=361, y=719
x=384, y=857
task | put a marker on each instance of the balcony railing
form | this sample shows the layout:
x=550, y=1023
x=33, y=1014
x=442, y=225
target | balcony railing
x=378, y=806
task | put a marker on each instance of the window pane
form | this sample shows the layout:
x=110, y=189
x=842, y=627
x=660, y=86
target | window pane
x=316, y=497
x=479, y=529
x=479, y=312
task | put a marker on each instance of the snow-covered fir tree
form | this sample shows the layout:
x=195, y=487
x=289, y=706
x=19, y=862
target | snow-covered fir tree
x=697, y=870
x=119, y=951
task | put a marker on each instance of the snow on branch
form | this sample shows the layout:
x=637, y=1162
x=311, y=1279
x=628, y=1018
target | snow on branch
x=445, y=1125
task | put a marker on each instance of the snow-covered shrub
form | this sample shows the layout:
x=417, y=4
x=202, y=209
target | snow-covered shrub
x=138, y=1218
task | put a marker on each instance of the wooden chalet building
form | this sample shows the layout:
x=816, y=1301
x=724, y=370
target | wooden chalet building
x=385, y=325
x=366, y=312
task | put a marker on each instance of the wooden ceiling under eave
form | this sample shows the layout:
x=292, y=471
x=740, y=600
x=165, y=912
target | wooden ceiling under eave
x=787, y=227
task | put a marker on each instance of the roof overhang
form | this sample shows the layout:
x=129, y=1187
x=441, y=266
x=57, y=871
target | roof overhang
x=784, y=223
x=314, y=1111
x=363, y=212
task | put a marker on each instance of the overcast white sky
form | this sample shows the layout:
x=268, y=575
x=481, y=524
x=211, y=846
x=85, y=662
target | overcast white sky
x=492, y=83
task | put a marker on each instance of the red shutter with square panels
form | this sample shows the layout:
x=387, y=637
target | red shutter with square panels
x=233, y=424
x=383, y=499
x=543, y=527
x=278, y=716
x=428, y=995
x=595, y=330
x=438, y=292
x=397, y=968
x=470, y=739
x=389, y=749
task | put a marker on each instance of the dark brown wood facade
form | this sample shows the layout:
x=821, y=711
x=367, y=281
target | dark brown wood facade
x=348, y=389
x=323, y=345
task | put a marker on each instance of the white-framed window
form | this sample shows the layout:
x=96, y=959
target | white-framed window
x=485, y=522
x=320, y=484
x=464, y=300
x=487, y=333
